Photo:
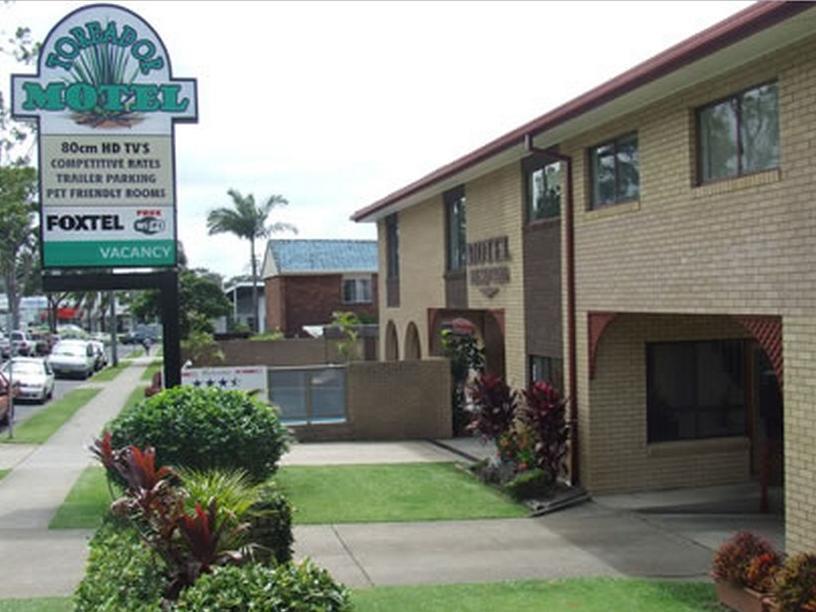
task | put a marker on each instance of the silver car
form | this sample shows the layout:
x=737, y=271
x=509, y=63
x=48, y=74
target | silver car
x=73, y=357
x=33, y=378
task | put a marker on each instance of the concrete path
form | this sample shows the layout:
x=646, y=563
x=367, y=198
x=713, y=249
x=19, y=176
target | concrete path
x=33, y=560
x=345, y=453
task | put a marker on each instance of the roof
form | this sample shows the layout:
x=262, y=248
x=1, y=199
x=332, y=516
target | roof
x=741, y=25
x=319, y=256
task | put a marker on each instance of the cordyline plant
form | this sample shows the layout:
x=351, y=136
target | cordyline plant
x=495, y=405
x=154, y=502
x=734, y=558
x=544, y=412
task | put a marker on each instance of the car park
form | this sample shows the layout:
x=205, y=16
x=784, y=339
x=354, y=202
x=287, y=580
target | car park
x=32, y=377
x=73, y=357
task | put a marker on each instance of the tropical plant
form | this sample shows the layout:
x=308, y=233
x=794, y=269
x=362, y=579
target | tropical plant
x=233, y=489
x=247, y=220
x=348, y=323
x=201, y=348
x=545, y=413
x=494, y=406
x=206, y=428
x=794, y=585
x=734, y=557
x=465, y=355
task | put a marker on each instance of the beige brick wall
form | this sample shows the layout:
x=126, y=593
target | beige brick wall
x=495, y=208
x=741, y=246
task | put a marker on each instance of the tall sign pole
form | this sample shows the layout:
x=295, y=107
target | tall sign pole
x=106, y=104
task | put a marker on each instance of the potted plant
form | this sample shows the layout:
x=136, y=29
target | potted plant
x=743, y=571
x=794, y=585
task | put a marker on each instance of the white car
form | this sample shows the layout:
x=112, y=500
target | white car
x=73, y=357
x=100, y=356
x=33, y=378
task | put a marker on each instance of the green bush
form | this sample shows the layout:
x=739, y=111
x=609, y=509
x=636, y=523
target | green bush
x=122, y=574
x=205, y=428
x=532, y=484
x=270, y=520
x=286, y=588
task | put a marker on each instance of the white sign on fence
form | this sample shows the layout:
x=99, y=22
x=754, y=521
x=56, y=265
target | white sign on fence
x=246, y=378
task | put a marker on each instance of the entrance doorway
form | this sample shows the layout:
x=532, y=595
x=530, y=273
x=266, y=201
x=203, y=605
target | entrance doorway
x=766, y=428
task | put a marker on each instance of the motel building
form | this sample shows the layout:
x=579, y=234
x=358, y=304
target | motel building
x=650, y=247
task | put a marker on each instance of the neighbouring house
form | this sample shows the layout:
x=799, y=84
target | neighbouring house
x=239, y=293
x=649, y=246
x=307, y=280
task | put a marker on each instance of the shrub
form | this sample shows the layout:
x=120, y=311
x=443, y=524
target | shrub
x=122, y=574
x=270, y=524
x=734, y=557
x=517, y=446
x=495, y=405
x=289, y=588
x=794, y=586
x=205, y=428
x=532, y=484
x=544, y=412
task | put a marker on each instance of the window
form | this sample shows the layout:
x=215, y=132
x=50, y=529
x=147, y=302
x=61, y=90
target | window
x=357, y=290
x=392, y=246
x=615, y=171
x=548, y=369
x=543, y=189
x=457, y=229
x=739, y=135
x=695, y=390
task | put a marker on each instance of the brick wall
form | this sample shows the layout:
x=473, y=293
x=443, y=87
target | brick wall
x=542, y=288
x=275, y=305
x=741, y=246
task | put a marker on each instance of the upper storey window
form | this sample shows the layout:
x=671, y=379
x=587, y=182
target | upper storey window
x=615, y=171
x=543, y=189
x=457, y=229
x=739, y=135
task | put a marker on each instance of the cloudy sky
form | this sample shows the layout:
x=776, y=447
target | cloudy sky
x=334, y=105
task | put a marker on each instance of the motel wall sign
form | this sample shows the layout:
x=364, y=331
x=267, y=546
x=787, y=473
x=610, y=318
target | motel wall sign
x=106, y=102
x=487, y=262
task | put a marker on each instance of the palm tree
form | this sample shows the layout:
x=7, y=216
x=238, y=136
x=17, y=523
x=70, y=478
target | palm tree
x=246, y=220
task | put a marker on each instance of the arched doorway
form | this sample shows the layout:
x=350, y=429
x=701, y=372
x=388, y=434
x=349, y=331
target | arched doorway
x=412, y=346
x=391, y=342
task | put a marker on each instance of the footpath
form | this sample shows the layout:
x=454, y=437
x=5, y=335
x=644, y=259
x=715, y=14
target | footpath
x=33, y=560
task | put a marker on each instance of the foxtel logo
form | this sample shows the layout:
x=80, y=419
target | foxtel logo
x=83, y=223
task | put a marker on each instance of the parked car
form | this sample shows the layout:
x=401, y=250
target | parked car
x=100, y=356
x=43, y=342
x=73, y=357
x=21, y=343
x=4, y=399
x=5, y=346
x=32, y=377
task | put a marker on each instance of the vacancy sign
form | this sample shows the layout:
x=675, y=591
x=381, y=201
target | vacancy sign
x=105, y=102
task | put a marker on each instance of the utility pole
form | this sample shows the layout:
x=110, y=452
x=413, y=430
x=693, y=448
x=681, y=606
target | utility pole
x=114, y=353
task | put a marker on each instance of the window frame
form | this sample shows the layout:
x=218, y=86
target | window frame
x=650, y=410
x=558, y=384
x=613, y=142
x=698, y=141
x=529, y=166
x=392, y=246
x=451, y=198
x=358, y=281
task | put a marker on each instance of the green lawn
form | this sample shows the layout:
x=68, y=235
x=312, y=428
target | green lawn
x=38, y=604
x=400, y=492
x=338, y=494
x=86, y=503
x=41, y=425
x=3, y=473
x=586, y=595
x=155, y=366
x=111, y=372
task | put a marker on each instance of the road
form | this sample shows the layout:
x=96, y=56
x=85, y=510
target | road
x=24, y=409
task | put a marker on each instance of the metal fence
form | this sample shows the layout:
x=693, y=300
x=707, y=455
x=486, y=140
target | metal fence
x=309, y=395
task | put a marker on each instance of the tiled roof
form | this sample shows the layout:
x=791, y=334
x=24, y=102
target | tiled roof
x=293, y=256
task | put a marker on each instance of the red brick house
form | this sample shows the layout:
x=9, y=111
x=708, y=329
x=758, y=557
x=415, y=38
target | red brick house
x=307, y=280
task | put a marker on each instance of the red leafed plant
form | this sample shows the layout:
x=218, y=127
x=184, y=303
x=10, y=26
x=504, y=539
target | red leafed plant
x=544, y=411
x=495, y=405
x=795, y=584
x=761, y=571
x=735, y=556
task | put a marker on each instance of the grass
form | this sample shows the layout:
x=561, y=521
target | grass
x=138, y=352
x=42, y=425
x=3, y=473
x=585, y=594
x=402, y=492
x=86, y=503
x=357, y=494
x=37, y=604
x=155, y=366
x=111, y=372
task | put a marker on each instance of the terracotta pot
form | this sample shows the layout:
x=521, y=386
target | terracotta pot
x=739, y=598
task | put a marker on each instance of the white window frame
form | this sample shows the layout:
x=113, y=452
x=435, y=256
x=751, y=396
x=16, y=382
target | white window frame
x=359, y=293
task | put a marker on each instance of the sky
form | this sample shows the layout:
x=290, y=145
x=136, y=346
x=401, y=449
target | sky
x=335, y=105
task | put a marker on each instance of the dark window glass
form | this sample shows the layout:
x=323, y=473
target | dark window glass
x=615, y=171
x=695, y=390
x=548, y=369
x=739, y=135
x=357, y=290
x=392, y=245
x=544, y=191
x=457, y=229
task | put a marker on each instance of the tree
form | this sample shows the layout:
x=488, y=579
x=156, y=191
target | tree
x=13, y=135
x=200, y=300
x=18, y=186
x=248, y=221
